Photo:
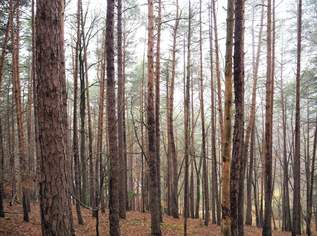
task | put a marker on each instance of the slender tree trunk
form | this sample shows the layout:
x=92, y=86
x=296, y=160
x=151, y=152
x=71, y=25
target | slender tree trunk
x=286, y=213
x=25, y=180
x=251, y=123
x=296, y=230
x=186, y=120
x=203, y=130
x=219, y=90
x=100, y=128
x=311, y=186
x=90, y=135
x=56, y=216
x=267, y=149
x=152, y=152
x=226, y=220
x=75, y=124
x=120, y=111
x=238, y=161
x=215, y=203
x=171, y=142
x=157, y=102
x=82, y=111
x=1, y=171
x=112, y=125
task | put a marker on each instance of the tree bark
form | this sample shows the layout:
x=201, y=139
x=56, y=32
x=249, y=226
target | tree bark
x=172, y=156
x=296, y=230
x=120, y=111
x=157, y=101
x=152, y=152
x=203, y=129
x=238, y=163
x=77, y=186
x=56, y=216
x=267, y=149
x=186, y=120
x=112, y=125
x=226, y=149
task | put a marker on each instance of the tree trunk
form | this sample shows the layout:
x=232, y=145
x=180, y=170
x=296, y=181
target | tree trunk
x=112, y=125
x=56, y=216
x=120, y=111
x=1, y=171
x=157, y=102
x=215, y=204
x=75, y=124
x=226, y=144
x=203, y=130
x=238, y=161
x=90, y=135
x=296, y=230
x=186, y=120
x=311, y=186
x=251, y=123
x=152, y=152
x=267, y=149
x=172, y=156
x=286, y=213
x=25, y=180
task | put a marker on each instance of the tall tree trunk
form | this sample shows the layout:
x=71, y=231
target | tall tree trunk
x=112, y=125
x=226, y=149
x=203, y=130
x=90, y=135
x=286, y=213
x=251, y=123
x=215, y=203
x=186, y=120
x=311, y=186
x=172, y=156
x=82, y=111
x=219, y=90
x=152, y=152
x=120, y=111
x=100, y=128
x=25, y=180
x=296, y=230
x=56, y=216
x=267, y=149
x=238, y=161
x=157, y=101
x=75, y=124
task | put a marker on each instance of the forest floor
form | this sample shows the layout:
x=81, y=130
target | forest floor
x=136, y=224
